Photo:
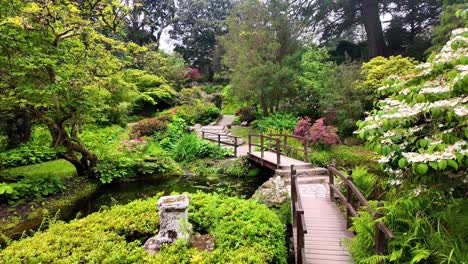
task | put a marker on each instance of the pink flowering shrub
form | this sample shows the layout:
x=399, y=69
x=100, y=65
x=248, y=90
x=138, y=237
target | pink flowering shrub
x=323, y=135
x=134, y=145
x=302, y=128
x=148, y=127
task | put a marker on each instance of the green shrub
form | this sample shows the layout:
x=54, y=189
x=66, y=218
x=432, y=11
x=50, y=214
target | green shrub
x=365, y=181
x=189, y=148
x=198, y=112
x=37, y=150
x=245, y=232
x=237, y=168
x=246, y=114
x=277, y=121
x=345, y=156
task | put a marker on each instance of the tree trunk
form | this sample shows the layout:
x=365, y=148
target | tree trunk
x=263, y=105
x=18, y=129
x=60, y=137
x=373, y=26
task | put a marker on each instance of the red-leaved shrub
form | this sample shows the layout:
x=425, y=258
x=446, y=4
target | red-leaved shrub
x=302, y=128
x=246, y=114
x=147, y=127
x=323, y=135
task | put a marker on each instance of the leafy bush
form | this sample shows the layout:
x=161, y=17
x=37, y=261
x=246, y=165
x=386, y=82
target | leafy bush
x=37, y=150
x=302, y=128
x=116, y=166
x=245, y=231
x=150, y=126
x=345, y=156
x=364, y=181
x=189, y=147
x=246, y=114
x=323, y=135
x=202, y=113
x=277, y=121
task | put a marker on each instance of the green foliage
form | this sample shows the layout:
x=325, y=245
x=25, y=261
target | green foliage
x=189, y=148
x=245, y=231
x=34, y=181
x=278, y=121
x=426, y=230
x=196, y=113
x=345, y=156
x=365, y=181
x=448, y=22
x=38, y=149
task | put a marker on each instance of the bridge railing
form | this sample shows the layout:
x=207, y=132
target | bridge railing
x=298, y=217
x=280, y=144
x=221, y=142
x=382, y=232
x=266, y=143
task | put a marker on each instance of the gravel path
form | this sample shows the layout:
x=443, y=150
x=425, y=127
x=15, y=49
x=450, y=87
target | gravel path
x=225, y=120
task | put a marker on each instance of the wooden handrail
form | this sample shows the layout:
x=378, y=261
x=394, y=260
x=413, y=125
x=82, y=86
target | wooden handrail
x=281, y=143
x=298, y=218
x=381, y=230
x=220, y=142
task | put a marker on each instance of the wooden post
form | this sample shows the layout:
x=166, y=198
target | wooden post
x=349, y=200
x=203, y=134
x=278, y=154
x=261, y=146
x=300, y=236
x=235, y=146
x=219, y=140
x=250, y=143
x=306, y=143
x=379, y=239
x=285, y=145
x=331, y=181
x=293, y=194
x=269, y=141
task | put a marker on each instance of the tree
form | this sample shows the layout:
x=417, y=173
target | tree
x=148, y=19
x=57, y=67
x=197, y=24
x=257, y=54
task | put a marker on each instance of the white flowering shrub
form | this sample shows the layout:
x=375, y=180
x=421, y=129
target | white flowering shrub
x=420, y=126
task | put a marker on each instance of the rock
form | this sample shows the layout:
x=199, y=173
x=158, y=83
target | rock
x=173, y=222
x=244, y=123
x=272, y=193
x=197, y=128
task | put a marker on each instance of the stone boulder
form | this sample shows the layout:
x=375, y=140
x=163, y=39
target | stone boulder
x=272, y=193
x=173, y=222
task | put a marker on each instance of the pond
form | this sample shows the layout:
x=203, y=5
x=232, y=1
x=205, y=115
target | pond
x=125, y=192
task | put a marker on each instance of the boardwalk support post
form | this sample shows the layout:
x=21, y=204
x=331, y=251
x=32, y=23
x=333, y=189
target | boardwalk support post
x=349, y=200
x=219, y=140
x=203, y=134
x=235, y=147
x=250, y=142
x=379, y=239
x=278, y=154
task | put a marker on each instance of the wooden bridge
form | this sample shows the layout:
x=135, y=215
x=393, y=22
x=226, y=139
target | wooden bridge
x=319, y=226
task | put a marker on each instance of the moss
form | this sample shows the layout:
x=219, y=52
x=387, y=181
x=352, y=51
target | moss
x=245, y=231
x=56, y=168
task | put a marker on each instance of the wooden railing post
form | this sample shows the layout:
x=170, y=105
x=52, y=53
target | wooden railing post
x=331, y=181
x=285, y=145
x=300, y=236
x=293, y=194
x=349, y=199
x=278, y=154
x=261, y=149
x=235, y=147
x=269, y=141
x=379, y=239
x=250, y=142
x=219, y=140
x=306, y=143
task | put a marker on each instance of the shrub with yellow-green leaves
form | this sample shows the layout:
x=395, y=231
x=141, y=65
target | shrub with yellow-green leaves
x=245, y=232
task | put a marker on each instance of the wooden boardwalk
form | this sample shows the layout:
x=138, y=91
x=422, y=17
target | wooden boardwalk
x=325, y=225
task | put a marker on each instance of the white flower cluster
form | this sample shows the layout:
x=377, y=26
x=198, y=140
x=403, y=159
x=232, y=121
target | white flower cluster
x=448, y=153
x=448, y=53
x=438, y=85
